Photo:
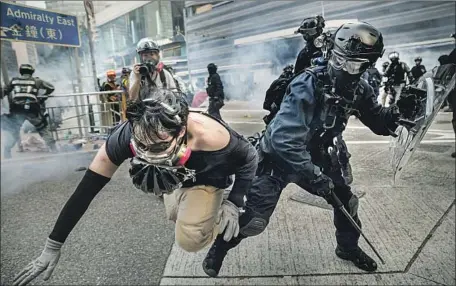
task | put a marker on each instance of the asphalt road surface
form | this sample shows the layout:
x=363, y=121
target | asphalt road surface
x=124, y=237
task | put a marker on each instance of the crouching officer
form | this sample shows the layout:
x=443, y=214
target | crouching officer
x=26, y=103
x=298, y=144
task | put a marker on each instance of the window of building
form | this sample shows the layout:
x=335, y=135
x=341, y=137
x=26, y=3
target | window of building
x=172, y=52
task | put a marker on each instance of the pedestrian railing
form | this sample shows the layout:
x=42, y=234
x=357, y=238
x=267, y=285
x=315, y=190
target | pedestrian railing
x=89, y=114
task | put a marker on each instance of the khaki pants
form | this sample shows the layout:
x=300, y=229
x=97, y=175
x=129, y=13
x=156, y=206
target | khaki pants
x=195, y=211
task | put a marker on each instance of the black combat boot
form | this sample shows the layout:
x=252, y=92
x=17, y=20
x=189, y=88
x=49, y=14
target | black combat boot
x=359, y=258
x=214, y=258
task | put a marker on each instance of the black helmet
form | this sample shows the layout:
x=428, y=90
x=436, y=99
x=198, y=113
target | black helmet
x=147, y=44
x=311, y=27
x=26, y=69
x=358, y=40
x=212, y=68
x=418, y=59
x=444, y=59
x=356, y=47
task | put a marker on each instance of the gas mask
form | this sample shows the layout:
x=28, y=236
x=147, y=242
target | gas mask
x=158, y=180
x=155, y=171
x=340, y=95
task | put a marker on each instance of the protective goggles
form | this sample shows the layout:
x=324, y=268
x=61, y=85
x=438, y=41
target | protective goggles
x=153, y=153
x=352, y=66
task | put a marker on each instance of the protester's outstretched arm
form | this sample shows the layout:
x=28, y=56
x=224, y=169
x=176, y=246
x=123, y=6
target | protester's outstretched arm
x=97, y=176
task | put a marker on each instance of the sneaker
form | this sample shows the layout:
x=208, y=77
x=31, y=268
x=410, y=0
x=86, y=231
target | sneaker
x=359, y=258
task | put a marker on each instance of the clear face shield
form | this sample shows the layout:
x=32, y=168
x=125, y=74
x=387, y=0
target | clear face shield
x=353, y=66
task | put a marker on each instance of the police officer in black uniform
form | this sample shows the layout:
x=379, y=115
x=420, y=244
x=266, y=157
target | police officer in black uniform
x=418, y=70
x=298, y=146
x=396, y=73
x=26, y=103
x=310, y=29
x=215, y=91
x=373, y=77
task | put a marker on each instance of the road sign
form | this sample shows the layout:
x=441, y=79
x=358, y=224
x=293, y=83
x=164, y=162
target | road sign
x=27, y=24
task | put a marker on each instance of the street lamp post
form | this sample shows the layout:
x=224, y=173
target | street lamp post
x=186, y=48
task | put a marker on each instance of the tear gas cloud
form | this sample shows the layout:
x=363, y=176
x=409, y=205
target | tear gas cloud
x=56, y=68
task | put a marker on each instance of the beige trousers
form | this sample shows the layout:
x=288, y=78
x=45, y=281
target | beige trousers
x=195, y=211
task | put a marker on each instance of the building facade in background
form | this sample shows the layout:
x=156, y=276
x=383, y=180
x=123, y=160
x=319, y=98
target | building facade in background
x=122, y=25
x=243, y=37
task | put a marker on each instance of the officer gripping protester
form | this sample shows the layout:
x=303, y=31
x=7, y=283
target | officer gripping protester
x=151, y=72
x=26, y=102
x=186, y=156
x=214, y=91
x=298, y=144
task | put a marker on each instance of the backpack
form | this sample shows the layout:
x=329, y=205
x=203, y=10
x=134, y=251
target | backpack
x=276, y=92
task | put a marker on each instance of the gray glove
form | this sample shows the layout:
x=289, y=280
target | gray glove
x=229, y=220
x=46, y=263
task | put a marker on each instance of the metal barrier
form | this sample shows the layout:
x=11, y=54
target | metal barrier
x=95, y=113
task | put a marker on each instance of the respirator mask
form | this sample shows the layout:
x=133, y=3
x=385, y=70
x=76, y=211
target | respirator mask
x=155, y=171
x=340, y=95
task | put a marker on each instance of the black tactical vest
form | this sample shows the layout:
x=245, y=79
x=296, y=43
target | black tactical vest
x=24, y=91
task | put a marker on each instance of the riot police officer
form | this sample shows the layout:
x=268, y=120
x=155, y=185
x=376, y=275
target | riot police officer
x=373, y=77
x=215, y=91
x=310, y=29
x=396, y=74
x=298, y=146
x=26, y=102
x=418, y=70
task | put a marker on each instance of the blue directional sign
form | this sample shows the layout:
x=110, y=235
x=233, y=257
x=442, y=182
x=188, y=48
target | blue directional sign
x=29, y=24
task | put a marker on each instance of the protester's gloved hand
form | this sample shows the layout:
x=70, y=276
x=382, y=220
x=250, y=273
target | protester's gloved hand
x=323, y=185
x=46, y=263
x=229, y=220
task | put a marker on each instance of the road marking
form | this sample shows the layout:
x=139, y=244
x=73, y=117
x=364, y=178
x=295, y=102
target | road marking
x=388, y=142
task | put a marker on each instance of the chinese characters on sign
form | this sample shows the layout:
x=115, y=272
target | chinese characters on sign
x=23, y=23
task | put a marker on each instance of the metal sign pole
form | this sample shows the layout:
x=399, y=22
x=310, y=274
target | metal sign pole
x=5, y=73
x=78, y=73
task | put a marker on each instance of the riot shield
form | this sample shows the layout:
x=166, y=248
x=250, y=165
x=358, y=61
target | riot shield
x=404, y=145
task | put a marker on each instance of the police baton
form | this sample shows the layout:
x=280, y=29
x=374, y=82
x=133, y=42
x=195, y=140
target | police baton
x=340, y=206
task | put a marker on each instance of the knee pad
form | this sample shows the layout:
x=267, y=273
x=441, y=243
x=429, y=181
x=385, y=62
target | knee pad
x=353, y=204
x=254, y=227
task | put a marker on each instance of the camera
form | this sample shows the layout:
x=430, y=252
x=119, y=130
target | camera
x=146, y=68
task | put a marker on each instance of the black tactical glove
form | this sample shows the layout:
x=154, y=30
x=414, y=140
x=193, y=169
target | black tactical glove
x=323, y=186
x=409, y=103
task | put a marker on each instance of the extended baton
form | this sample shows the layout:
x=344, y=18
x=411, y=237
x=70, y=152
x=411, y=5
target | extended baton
x=341, y=207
